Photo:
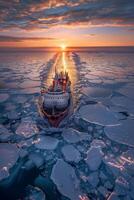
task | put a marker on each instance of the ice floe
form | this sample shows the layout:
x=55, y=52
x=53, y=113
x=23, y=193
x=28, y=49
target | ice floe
x=4, y=133
x=71, y=154
x=27, y=128
x=98, y=114
x=113, y=196
x=121, y=186
x=93, y=179
x=72, y=136
x=123, y=101
x=96, y=92
x=47, y=142
x=98, y=143
x=122, y=133
x=94, y=158
x=103, y=191
x=128, y=156
x=63, y=175
x=3, y=97
x=8, y=156
x=127, y=91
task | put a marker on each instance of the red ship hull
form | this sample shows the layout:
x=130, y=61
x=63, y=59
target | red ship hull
x=55, y=120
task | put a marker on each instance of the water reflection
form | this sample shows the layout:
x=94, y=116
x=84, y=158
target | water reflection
x=64, y=63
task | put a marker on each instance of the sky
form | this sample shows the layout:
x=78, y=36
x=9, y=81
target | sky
x=76, y=23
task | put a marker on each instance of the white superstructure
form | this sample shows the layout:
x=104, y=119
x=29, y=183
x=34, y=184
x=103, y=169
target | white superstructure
x=58, y=94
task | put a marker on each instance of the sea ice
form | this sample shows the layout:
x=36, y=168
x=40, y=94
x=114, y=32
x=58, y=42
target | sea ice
x=94, y=158
x=113, y=196
x=38, y=159
x=121, y=186
x=96, y=92
x=47, y=142
x=63, y=175
x=128, y=156
x=72, y=136
x=71, y=153
x=113, y=166
x=98, y=143
x=98, y=114
x=13, y=115
x=122, y=133
x=123, y=101
x=93, y=179
x=35, y=194
x=3, y=97
x=103, y=191
x=4, y=133
x=127, y=91
x=8, y=156
x=27, y=129
x=20, y=99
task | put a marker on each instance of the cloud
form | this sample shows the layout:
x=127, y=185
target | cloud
x=4, y=38
x=43, y=14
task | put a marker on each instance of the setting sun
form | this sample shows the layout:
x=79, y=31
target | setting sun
x=63, y=47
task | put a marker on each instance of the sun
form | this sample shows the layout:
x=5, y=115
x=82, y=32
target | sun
x=63, y=47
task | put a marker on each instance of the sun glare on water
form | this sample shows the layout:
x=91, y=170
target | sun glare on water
x=63, y=47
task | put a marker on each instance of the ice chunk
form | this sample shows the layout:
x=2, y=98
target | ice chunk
x=96, y=92
x=98, y=143
x=72, y=136
x=29, y=84
x=94, y=158
x=27, y=129
x=127, y=91
x=21, y=99
x=8, y=156
x=103, y=191
x=38, y=159
x=71, y=153
x=113, y=196
x=63, y=175
x=4, y=133
x=93, y=179
x=113, y=166
x=13, y=115
x=35, y=194
x=128, y=156
x=121, y=186
x=123, y=101
x=122, y=133
x=3, y=97
x=98, y=114
x=47, y=142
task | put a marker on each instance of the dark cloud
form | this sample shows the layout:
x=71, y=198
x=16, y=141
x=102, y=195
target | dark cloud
x=31, y=14
x=4, y=38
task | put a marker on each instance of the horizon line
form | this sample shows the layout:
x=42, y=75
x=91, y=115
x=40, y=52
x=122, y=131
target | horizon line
x=67, y=46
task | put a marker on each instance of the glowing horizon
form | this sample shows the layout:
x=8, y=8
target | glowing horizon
x=73, y=24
